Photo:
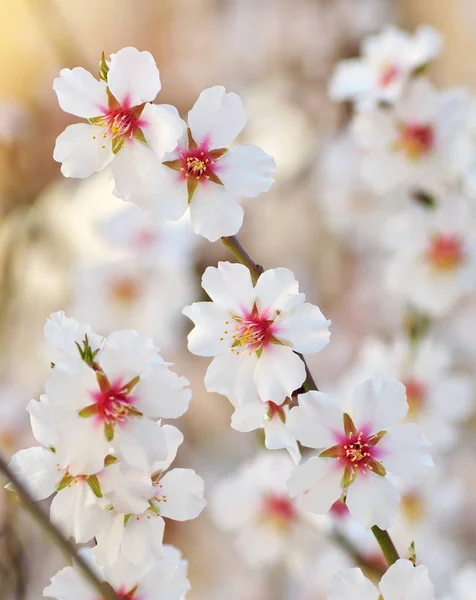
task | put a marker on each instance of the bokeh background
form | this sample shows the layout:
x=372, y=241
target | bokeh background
x=56, y=253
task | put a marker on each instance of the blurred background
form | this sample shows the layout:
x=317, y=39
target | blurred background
x=60, y=248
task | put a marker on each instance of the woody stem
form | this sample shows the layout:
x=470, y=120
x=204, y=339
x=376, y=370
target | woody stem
x=103, y=589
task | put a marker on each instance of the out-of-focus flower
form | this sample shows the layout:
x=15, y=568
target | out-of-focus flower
x=409, y=146
x=402, y=580
x=203, y=173
x=253, y=503
x=359, y=448
x=388, y=60
x=124, y=129
x=253, y=332
x=429, y=378
x=434, y=260
x=164, y=578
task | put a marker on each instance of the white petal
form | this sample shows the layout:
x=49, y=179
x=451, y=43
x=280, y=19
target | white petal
x=277, y=436
x=229, y=285
x=161, y=393
x=246, y=171
x=248, y=416
x=215, y=212
x=210, y=320
x=69, y=584
x=184, y=491
x=37, y=469
x=404, y=581
x=45, y=421
x=71, y=384
x=173, y=439
x=133, y=77
x=279, y=371
x=373, y=500
x=162, y=127
x=317, y=421
x=109, y=538
x=80, y=94
x=126, y=354
x=352, y=79
x=76, y=511
x=318, y=480
x=216, y=117
x=405, y=450
x=170, y=200
x=378, y=403
x=226, y=501
x=304, y=328
x=351, y=584
x=232, y=375
x=277, y=290
x=128, y=489
x=143, y=539
x=140, y=442
x=62, y=333
x=82, y=150
x=136, y=172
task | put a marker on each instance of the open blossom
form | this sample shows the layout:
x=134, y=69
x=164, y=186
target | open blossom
x=137, y=502
x=203, y=173
x=109, y=401
x=357, y=449
x=388, y=60
x=403, y=580
x=254, y=332
x=409, y=146
x=254, y=505
x=124, y=129
x=164, y=578
x=253, y=413
x=434, y=255
x=429, y=378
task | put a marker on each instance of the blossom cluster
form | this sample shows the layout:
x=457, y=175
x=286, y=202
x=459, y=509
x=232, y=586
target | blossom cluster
x=105, y=456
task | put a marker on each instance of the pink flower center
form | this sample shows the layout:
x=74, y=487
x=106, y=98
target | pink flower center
x=279, y=509
x=416, y=392
x=125, y=290
x=415, y=140
x=113, y=403
x=446, y=252
x=197, y=162
x=388, y=75
x=121, y=123
x=127, y=595
x=253, y=331
x=339, y=509
x=357, y=451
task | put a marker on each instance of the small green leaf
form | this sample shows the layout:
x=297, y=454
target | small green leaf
x=67, y=479
x=412, y=553
x=109, y=431
x=109, y=460
x=113, y=104
x=117, y=143
x=93, y=482
x=349, y=427
x=89, y=411
x=176, y=165
x=349, y=476
x=131, y=385
x=191, y=142
x=126, y=518
x=103, y=68
x=333, y=452
x=154, y=508
x=375, y=439
x=102, y=381
x=192, y=184
x=96, y=120
x=376, y=467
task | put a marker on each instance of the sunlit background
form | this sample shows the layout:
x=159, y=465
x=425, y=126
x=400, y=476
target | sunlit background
x=59, y=250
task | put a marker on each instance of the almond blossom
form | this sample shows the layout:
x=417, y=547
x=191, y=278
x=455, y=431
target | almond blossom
x=433, y=264
x=388, y=60
x=253, y=504
x=409, y=146
x=124, y=129
x=403, y=580
x=357, y=450
x=254, y=332
x=207, y=175
x=164, y=578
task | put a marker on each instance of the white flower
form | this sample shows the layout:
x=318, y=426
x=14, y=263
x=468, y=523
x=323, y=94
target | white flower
x=203, y=173
x=134, y=526
x=64, y=334
x=409, y=146
x=253, y=503
x=75, y=507
x=109, y=403
x=434, y=260
x=388, y=60
x=164, y=578
x=124, y=129
x=253, y=333
x=402, y=581
x=254, y=414
x=357, y=450
x=429, y=378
